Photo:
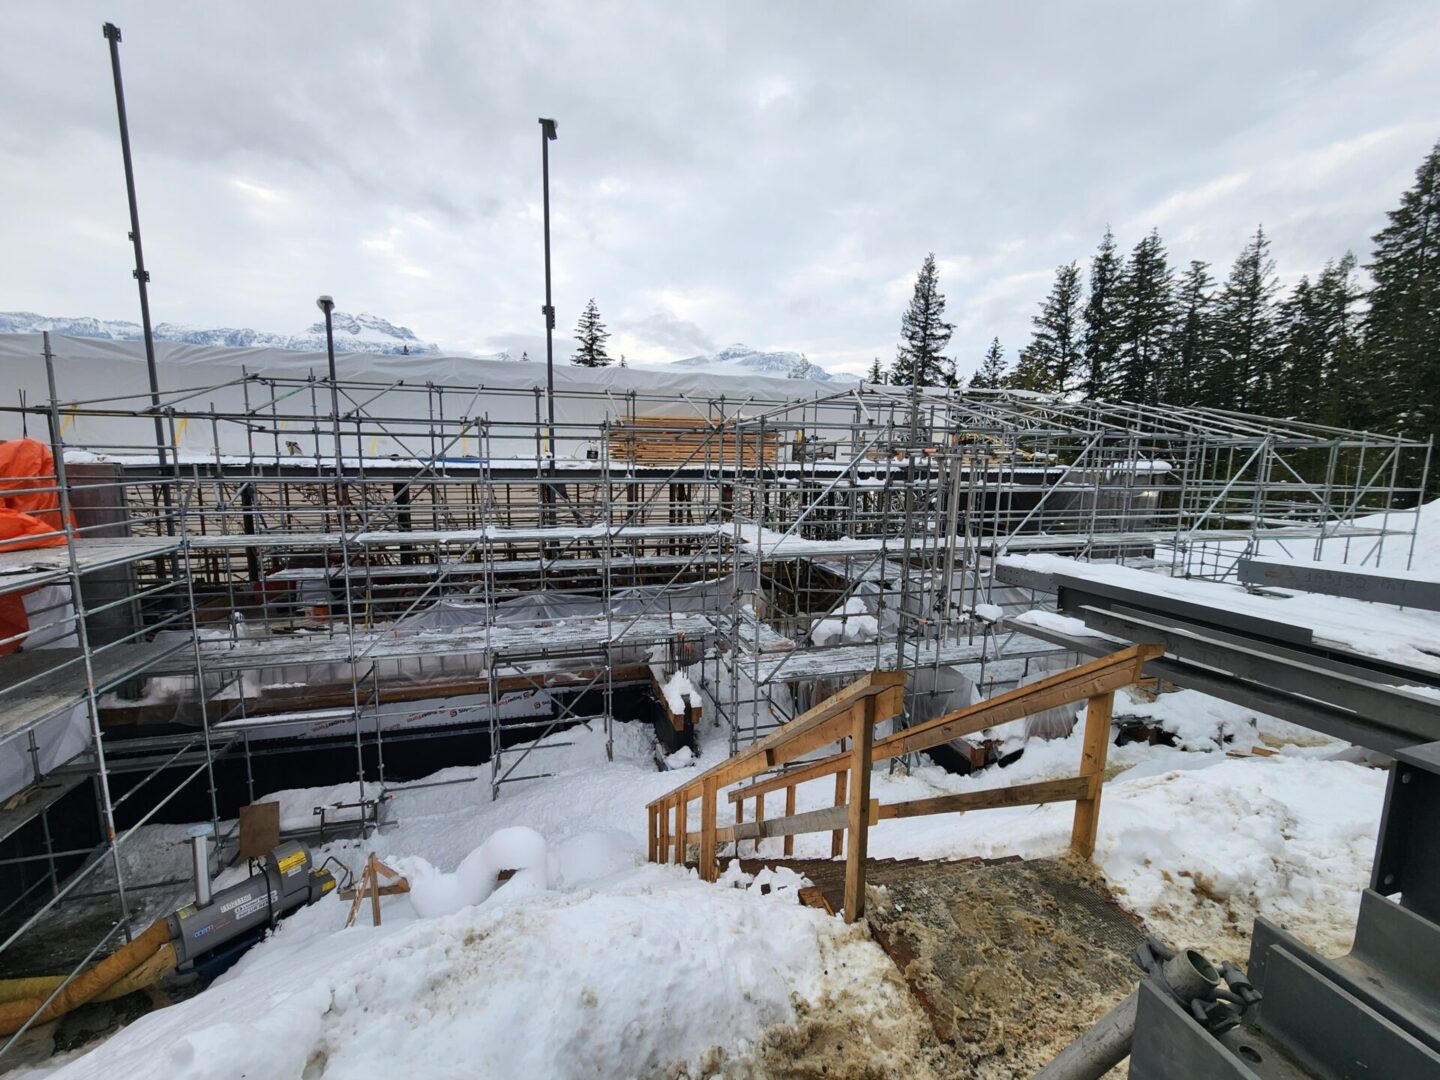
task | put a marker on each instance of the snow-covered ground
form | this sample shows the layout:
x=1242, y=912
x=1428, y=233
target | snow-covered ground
x=593, y=963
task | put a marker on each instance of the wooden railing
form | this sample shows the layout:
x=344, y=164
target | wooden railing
x=853, y=713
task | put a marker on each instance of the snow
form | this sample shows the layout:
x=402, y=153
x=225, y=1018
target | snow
x=679, y=691
x=851, y=622
x=1403, y=636
x=353, y=333
x=742, y=360
x=590, y=962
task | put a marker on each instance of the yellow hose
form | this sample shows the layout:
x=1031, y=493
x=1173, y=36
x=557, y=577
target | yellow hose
x=134, y=965
x=160, y=964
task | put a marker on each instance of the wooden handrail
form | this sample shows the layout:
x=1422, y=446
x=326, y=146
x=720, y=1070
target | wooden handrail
x=853, y=713
x=1101, y=676
x=821, y=724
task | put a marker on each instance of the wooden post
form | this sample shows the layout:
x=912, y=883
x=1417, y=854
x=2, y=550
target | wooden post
x=373, y=876
x=789, y=809
x=1092, y=767
x=651, y=835
x=682, y=816
x=664, y=849
x=859, y=818
x=837, y=838
x=759, y=817
x=709, y=792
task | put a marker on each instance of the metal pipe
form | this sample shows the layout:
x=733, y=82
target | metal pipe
x=1187, y=974
x=200, y=861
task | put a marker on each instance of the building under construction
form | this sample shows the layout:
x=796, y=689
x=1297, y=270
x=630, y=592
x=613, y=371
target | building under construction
x=270, y=576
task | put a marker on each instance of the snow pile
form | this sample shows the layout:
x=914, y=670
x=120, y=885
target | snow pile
x=1197, y=721
x=778, y=881
x=679, y=692
x=434, y=892
x=851, y=621
x=640, y=978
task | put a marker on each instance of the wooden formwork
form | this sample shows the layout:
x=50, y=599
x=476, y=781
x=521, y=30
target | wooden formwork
x=689, y=440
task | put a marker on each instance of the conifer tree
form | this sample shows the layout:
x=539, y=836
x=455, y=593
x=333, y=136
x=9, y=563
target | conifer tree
x=1100, y=342
x=991, y=372
x=1244, y=375
x=877, y=374
x=925, y=333
x=1144, y=321
x=1192, y=345
x=591, y=334
x=1056, y=344
x=1031, y=373
x=1402, y=326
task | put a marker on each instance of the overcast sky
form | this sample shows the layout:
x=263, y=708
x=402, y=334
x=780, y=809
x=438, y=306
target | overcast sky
x=766, y=173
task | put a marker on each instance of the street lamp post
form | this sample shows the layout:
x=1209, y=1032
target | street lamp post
x=142, y=276
x=547, y=136
x=342, y=507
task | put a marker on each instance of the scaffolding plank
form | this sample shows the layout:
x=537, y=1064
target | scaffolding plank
x=852, y=659
x=16, y=815
x=619, y=561
x=42, y=566
x=509, y=643
x=39, y=684
x=458, y=537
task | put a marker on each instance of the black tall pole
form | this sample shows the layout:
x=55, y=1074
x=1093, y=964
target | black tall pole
x=142, y=276
x=547, y=135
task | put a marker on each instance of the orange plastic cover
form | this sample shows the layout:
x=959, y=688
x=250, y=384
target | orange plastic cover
x=29, y=503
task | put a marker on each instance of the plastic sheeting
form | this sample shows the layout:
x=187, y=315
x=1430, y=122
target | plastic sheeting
x=60, y=737
x=509, y=390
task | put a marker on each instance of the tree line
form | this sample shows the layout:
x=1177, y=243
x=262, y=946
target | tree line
x=1135, y=327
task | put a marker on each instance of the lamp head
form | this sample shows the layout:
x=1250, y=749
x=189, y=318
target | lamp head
x=325, y=304
x=549, y=128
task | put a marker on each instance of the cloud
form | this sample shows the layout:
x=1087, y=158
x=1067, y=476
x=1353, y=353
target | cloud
x=668, y=332
x=744, y=171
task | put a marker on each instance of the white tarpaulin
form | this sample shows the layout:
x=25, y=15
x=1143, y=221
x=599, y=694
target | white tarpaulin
x=495, y=390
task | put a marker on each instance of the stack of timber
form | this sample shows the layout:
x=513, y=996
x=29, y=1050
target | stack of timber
x=689, y=440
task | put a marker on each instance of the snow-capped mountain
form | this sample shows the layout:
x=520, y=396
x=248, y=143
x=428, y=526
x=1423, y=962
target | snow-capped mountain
x=743, y=360
x=353, y=333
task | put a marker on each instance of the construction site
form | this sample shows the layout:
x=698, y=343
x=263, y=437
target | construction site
x=268, y=575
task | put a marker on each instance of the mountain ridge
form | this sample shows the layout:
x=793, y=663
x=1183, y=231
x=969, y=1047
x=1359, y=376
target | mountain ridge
x=353, y=333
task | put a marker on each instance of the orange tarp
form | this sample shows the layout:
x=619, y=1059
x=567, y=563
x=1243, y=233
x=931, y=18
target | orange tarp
x=29, y=518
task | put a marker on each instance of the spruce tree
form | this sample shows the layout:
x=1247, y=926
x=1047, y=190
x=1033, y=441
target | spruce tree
x=1056, y=344
x=590, y=332
x=1244, y=375
x=991, y=372
x=1030, y=374
x=877, y=374
x=1144, y=322
x=1100, y=342
x=1192, y=347
x=920, y=358
x=1402, y=327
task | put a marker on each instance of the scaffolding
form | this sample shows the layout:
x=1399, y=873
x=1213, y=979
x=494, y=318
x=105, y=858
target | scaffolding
x=311, y=562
